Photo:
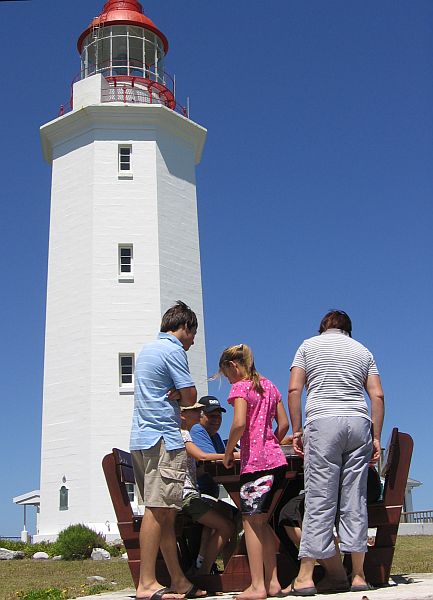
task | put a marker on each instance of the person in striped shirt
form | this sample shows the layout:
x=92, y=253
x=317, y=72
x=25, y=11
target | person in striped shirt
x=339, y=440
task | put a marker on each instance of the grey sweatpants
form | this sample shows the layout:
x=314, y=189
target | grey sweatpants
x=337, y=453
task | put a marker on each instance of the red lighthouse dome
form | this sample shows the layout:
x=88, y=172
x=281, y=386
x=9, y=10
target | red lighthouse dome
x=116, y=12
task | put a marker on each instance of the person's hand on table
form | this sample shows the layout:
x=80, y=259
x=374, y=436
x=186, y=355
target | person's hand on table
x=228, y=459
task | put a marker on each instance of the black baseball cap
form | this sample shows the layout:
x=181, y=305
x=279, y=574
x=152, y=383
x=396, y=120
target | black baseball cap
x=210, y=403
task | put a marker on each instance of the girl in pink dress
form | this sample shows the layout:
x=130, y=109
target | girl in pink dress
x=257, y=403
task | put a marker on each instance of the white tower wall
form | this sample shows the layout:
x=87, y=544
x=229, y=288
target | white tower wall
x=92, y=316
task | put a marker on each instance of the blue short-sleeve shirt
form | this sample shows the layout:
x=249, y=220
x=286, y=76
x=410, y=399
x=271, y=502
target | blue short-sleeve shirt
x=209, y=444
x=161, y=365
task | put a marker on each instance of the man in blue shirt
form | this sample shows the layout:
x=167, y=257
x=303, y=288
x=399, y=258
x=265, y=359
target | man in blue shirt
x=205, y=435
x=163, y=383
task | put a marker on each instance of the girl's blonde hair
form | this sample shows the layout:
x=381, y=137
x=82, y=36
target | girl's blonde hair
x=243, y=355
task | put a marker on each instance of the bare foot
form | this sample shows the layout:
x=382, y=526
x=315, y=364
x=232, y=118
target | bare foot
x=274, y=589
x=252, y=594
x=358, y=580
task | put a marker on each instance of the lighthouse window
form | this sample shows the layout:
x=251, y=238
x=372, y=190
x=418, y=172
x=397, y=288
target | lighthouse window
x=126, y=370
x=125, y=260
x=136, y=56
x=103, y=51
x=64, y=498
x=125, y=158
x=130, y=491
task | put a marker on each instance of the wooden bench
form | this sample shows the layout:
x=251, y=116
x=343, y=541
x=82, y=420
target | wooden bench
x=118, y=472
x=385, y=514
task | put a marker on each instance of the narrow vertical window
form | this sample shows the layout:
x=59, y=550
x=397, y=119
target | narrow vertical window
x=63, y=498
x=125, y=163
x=126, y=370
x=130, y=491
x=125, y=260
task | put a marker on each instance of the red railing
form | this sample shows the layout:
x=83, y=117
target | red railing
x=130, y=88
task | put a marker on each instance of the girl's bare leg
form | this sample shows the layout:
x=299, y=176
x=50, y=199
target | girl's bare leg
x=254, y=528
x=270, y=560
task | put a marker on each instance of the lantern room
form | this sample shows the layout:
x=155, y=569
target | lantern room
x=128, y=50
x=123, y=50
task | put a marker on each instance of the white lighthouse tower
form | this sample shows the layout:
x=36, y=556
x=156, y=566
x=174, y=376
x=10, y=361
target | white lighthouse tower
x=124, y=246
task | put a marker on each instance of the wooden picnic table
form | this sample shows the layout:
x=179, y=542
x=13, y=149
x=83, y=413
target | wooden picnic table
x=383, y=515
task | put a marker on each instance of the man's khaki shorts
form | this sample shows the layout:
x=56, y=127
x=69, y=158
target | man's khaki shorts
x=160, y=475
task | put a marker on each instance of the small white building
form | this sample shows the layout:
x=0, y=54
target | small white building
x=124, y=246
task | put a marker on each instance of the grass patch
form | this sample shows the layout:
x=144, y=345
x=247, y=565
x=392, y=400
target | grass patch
x=413, y=554
x=31, y=579
x=54, y=580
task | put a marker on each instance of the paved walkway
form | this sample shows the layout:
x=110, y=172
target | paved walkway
x=416, y=586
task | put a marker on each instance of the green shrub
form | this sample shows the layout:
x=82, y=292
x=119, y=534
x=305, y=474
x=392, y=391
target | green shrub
x=77, y=541
x=47, y=594
x=29, y=549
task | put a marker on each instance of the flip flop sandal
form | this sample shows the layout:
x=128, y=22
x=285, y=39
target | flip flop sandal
x=309, y=591
x=158, y=595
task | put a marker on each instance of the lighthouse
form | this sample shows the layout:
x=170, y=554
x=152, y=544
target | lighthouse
x=123, y=247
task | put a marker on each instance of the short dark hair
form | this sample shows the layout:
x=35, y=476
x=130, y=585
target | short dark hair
x=179, y=315
x=336, y=319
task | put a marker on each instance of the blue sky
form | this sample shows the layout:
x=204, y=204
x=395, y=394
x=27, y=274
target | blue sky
x=315, y=191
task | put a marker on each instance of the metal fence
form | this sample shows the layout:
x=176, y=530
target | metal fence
x=417, y=516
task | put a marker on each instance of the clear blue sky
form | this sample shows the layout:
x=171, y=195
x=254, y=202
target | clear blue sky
x=315, y=191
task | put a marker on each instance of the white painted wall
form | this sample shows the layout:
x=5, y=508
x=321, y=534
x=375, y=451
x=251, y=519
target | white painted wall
x=91, y=316
x=179, y=252
x=415, y=529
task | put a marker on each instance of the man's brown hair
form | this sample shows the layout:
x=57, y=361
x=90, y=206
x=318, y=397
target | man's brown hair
x=179, y=315
x=336, y=319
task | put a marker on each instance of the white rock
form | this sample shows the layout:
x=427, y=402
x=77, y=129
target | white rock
x=125, y=556
x=100, y=554
x=40, y=556
x=58, y=557
x=96, y=578
x=6, y=554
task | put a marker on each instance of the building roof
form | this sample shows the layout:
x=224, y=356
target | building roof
x=413, y=483
x=30, y=498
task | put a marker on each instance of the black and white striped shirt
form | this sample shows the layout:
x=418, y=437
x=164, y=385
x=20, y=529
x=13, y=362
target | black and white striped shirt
x=336, y=368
